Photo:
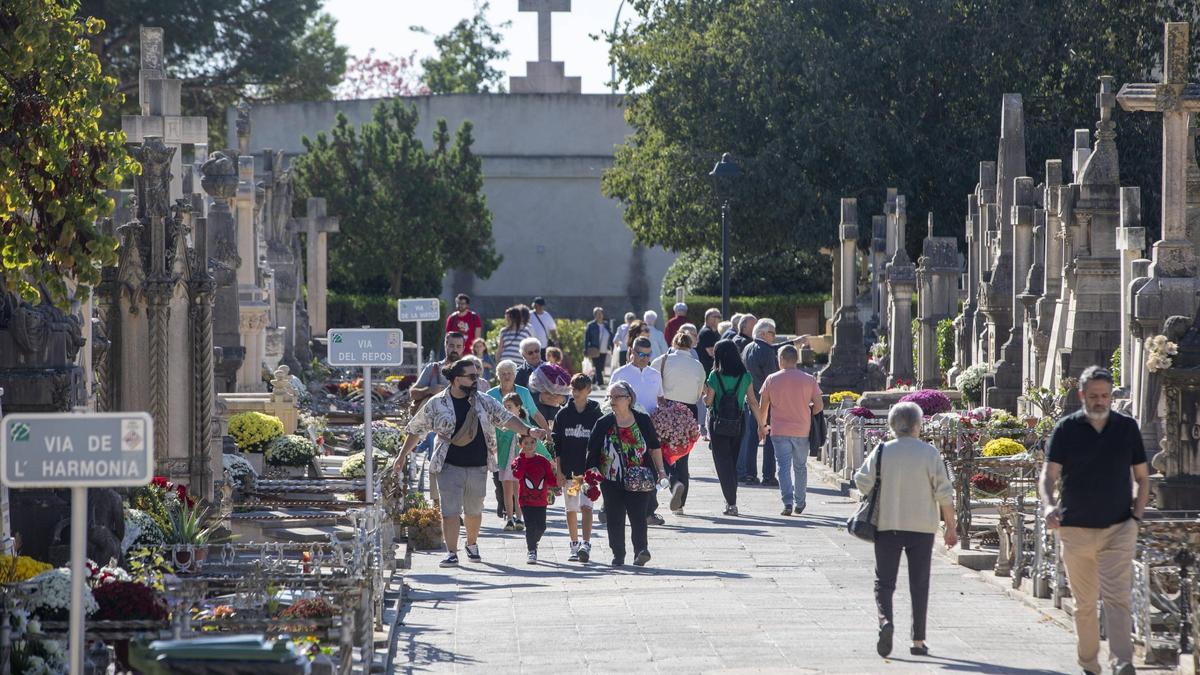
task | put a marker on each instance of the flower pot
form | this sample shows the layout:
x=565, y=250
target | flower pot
x=256, y=460
x=425, y=538
x=182, y=560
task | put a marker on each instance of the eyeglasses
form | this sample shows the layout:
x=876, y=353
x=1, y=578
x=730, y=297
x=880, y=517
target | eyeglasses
x=644, y=355
x=532, y=351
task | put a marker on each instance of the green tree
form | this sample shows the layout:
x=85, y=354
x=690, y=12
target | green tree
x=225, y=51
x=463, y=64
x=55, y=161
x=407, y=214
x=842, y=98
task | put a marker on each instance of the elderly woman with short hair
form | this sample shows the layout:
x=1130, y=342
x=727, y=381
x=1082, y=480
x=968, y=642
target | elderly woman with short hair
x=913, y=488
x=506, y=486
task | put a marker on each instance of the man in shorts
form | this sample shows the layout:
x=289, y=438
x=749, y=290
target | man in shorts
x=572, y=429
x=464, y=451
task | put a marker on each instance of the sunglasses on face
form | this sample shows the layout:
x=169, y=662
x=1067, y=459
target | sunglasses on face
x=533, y=351
x=644, y=355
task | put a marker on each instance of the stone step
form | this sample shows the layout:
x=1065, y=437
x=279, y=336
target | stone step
x=309, y=534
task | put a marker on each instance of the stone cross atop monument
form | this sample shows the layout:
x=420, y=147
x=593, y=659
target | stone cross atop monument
x=1175, y=98
x=159, y=97
x=544, y=76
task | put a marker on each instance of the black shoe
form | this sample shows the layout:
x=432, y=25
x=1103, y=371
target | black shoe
x=750, y=480
x=770, y=482
x=642, y=558
x=787, y=510
x=618, y=562
x=923, y=650
x=799, y=510
x=655, y=519
x=884, y=646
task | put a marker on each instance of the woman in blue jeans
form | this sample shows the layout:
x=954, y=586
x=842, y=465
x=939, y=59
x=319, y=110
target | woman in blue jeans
x=913, y=488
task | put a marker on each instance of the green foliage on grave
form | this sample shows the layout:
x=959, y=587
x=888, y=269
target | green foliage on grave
x=1115, y=367
x=945, y=345
x=829, y=99
x=408, y=214
x=463, y=64
x=226, y=50
x=55, y=161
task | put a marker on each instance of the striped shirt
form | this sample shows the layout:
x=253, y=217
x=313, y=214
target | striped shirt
x=510, y=343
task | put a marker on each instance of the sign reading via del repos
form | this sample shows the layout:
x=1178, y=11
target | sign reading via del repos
x=77, y=450
x=418, y=309
x=366, y=347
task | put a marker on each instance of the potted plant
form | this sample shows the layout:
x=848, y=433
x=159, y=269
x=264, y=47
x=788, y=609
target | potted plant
x=253, y=432
x=291, y=454
x=424, y=526
x=186, y=527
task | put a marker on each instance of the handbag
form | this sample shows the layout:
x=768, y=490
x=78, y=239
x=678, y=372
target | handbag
x=860, y=524
x=638, y=478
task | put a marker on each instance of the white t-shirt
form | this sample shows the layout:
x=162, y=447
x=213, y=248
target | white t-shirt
x=540, y=326
x=646, y=383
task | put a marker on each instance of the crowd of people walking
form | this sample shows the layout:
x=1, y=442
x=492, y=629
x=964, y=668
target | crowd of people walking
x=540, y=435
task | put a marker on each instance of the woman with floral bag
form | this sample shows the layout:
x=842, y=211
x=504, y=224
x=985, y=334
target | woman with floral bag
x=624, y=457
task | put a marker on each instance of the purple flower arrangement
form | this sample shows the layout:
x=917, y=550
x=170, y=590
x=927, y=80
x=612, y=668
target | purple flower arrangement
x=859, y=411
x=931, y=401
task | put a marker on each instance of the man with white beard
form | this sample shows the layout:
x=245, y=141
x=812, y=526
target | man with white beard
x=1096, y=451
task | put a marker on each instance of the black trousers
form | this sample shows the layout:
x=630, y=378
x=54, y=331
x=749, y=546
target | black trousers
x=918, y=550
x=535, y=525
x=598, y=363
x=725, y=455
x=619, y=504
x=678, y=474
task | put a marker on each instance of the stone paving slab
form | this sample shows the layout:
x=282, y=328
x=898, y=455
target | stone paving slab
x=753, y=594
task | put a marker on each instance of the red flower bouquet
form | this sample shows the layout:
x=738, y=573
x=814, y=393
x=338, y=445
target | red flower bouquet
x=128, y=601
x=677, y=430
x=592, y=477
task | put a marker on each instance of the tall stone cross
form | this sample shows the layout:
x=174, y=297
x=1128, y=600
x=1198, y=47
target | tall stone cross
x=317, y=226
x=544, y=76
x=1176, y=99
x=160, y=116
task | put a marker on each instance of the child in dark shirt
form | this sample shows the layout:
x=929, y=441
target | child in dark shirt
x=535, y=476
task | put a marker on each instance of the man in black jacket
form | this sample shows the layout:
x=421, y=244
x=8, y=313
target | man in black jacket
x=572, y=429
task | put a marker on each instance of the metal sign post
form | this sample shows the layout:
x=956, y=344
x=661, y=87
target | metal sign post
x=366, y=348
x=419, y=310
x=77, y=451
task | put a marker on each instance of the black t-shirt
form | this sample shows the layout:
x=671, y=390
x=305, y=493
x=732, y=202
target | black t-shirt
x=523, y=372
x=572, y=429
x=707, y=338
x=473, y=453
x=1097, y=488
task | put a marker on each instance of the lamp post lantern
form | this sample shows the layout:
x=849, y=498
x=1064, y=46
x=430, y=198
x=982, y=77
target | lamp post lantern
x=723, y=175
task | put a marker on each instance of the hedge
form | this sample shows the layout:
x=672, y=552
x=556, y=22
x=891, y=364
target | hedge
x=353, y=310
x=782, y=308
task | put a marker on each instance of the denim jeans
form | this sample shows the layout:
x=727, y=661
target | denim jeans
x=792, y=454
x=748, y=454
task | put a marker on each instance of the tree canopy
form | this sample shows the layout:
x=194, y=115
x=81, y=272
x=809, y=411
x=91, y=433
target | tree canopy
x=407, y=214
x=463, y=64
x=55, y=161
x=842, y=98
x=225, y=51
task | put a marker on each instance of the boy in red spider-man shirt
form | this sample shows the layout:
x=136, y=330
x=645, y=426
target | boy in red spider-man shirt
x=535, y=476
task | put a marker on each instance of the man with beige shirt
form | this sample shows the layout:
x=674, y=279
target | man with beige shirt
x=1098, y=454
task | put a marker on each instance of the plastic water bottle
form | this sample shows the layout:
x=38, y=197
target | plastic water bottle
x=664, y=484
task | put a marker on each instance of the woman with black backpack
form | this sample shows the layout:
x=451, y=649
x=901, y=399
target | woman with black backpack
x=727, y=392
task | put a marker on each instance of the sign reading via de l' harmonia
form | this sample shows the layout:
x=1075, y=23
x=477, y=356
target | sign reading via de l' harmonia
x=77, y=450
x=366, y=347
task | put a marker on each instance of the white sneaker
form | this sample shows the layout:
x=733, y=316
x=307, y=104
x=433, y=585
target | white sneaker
x=532, y=558
x=574, y=552
x=585, y=551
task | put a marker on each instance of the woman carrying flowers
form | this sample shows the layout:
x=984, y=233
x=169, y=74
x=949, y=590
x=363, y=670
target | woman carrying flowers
x=625, y=450
x=683, y=383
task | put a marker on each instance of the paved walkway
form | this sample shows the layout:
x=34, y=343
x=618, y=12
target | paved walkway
x=756, y=593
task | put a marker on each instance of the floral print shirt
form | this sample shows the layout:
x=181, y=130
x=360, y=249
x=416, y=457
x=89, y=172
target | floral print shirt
x=437, y=415
x=611, y=447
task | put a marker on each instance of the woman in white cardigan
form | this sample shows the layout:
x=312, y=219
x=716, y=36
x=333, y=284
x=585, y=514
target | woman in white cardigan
x=913, y=488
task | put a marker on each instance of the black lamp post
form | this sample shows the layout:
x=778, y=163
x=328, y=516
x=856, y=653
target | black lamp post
x=723, y=175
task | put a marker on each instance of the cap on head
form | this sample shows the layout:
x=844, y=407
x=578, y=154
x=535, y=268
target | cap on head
x=539, y=301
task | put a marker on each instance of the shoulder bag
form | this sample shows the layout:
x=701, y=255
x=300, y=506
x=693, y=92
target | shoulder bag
x=636, y=477
x=861, y=524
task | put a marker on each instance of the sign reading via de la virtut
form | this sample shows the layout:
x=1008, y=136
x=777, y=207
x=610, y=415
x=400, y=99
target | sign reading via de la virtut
x=418, y=309
x=77, y=450
x=366, y=347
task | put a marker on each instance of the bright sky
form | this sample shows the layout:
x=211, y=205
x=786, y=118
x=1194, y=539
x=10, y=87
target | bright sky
x=384, y=26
